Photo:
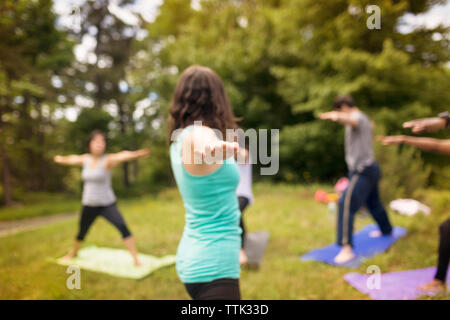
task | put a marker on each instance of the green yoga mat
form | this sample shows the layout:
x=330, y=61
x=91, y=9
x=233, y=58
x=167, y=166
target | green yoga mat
x=117, y=262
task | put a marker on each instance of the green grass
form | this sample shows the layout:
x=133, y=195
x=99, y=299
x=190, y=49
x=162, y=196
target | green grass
x=40, y=204
x=296, y=223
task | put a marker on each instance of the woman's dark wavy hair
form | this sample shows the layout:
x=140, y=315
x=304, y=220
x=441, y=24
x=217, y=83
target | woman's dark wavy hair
x=92, y=136
x=200, y=96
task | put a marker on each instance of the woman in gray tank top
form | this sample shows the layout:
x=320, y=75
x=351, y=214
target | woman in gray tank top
x=98, y=196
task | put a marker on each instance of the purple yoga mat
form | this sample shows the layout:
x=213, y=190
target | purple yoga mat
x=402, y=285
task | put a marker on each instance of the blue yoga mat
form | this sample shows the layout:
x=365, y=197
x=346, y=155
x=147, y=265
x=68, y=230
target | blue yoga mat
x=364, y=247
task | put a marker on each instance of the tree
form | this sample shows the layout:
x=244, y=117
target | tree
x=106, y=71
x=282, y=62
x=334, y=52
x=32, y=53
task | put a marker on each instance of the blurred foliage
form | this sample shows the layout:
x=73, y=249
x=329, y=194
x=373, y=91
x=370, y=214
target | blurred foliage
x=439, y=200
x=88, y=120
x=403, y=172
x=317, y=148
x=282, y=62
x=33, y=55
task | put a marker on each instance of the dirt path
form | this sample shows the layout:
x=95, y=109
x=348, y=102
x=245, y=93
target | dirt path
x=16, y=226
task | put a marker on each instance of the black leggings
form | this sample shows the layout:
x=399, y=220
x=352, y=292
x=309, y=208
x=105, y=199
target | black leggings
x=444, y=251
x=243, y=203
x=220, y=289
x=110, y=213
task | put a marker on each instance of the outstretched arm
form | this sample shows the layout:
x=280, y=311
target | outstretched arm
x=72, y=160
x=203, y=152
x=209, y=148
x=425, y=144
x=115, y=159
x=341, y=117
x=425, y=125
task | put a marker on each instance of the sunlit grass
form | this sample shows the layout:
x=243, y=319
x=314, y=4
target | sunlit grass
x=296, y=223
x=38, y=205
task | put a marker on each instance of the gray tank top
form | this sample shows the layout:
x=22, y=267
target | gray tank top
x=97, y=190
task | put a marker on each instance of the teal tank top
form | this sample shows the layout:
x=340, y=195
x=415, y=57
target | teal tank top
x=211, y=241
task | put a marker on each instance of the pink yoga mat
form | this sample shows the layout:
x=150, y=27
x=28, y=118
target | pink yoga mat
x=401, y=285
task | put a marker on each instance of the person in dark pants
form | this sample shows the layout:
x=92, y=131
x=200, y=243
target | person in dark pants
x=98, y=196
x=245, y=198
x=110, y=213
x=439, y=281
x=439, y=146
x=364, y=174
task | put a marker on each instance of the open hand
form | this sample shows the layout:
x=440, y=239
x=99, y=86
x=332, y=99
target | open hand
x=220, y=149
x=425, y=124
x=143, y=152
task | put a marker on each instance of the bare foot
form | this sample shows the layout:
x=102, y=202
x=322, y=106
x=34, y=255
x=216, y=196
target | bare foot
x=345, y=255
x=243, y=259
x=137, y=263
x=434, y=286
x=68, y=257
x=375, y=234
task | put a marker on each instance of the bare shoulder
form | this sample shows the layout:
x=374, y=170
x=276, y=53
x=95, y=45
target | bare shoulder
x=196, y=139
x=110, y=157
x=83, y=157
x=110, y=160
x=79, y=160
x=198, y=134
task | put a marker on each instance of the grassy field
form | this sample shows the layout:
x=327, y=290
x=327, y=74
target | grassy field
x=38, y=205
x=296, y=223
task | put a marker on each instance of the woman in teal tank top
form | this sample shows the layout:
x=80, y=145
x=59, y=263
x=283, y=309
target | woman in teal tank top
x=208, y=253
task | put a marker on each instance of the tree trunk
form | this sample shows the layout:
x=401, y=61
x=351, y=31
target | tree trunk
x=6, y=175
x=134, y=163
x=126, y=177
x=6, y=178
x=123, y=131
x=6, y=171
x=26, y=134
x=41, y=162
x=135, y=170
x=125, y=166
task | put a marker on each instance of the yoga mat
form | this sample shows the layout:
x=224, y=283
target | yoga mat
x=254, y=246
x=364, y=247
x=402, y=285
x=117, y=262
